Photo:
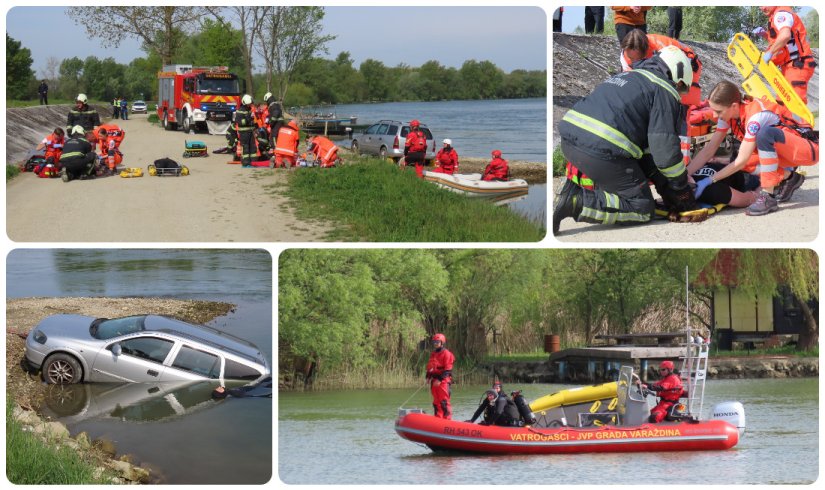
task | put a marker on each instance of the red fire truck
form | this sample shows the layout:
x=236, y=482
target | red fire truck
x=197, y=97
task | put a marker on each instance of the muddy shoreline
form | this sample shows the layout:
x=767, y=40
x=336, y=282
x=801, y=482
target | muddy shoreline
x=27, y=389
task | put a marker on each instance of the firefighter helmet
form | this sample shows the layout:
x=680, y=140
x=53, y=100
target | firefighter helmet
x=246, y=100
x=448, y=141
x=666, y=365
x=78, y=129
x=81, y=98
x=678, y=64
x=440, y=338
x=267, y=96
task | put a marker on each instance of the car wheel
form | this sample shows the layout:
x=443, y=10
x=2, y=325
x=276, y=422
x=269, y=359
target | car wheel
x=382, y=153
x=355, y=149
x=62, y=369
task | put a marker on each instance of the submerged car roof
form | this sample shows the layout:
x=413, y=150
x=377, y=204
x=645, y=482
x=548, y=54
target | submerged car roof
x=207, y=335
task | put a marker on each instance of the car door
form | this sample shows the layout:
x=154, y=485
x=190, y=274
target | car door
x=381, y=137
x=140, y=360
x=369, y=139
x=192, y=363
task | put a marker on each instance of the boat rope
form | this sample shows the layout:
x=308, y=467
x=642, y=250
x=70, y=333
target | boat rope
x=411, y=397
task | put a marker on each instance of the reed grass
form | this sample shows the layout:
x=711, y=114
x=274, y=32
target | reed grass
x=12, y=171
x=375, y=201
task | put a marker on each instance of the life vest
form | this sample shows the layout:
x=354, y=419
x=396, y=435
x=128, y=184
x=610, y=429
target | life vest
x=797, y=47
x=113, y=132
x=498, y=169
x=287, y=142
x=416, y=141
x=325, y=150
x=447, y=160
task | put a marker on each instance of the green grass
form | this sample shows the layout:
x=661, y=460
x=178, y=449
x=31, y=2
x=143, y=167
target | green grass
x=375, y=201
x=522, y=357
x=786, y=350
x=31, y=462
x=153, y=118
x=559, y=163
x=12, y=171
x=36, y=102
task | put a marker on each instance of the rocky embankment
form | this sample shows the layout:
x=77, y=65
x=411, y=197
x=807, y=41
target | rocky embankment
x=719, y=368
x=27, y=126
x=581, y=62
x=27, y=389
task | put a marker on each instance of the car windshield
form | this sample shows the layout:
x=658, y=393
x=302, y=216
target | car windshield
x=104, y=328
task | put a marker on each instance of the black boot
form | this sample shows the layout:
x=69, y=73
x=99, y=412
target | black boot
x=568, y=204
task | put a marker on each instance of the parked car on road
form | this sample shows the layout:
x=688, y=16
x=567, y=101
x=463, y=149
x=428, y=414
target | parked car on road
x=386, y=139
x=138, y=107
x=145, y=348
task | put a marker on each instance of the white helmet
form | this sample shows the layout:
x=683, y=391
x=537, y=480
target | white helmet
x=267, y=96
x=78, y=129
x=678, y=64
x=247, y=99
x=82, y=98
x=448, y=142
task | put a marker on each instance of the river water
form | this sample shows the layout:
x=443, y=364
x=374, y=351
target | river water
x=348, y=438
x=175, y=429
x=517, y=127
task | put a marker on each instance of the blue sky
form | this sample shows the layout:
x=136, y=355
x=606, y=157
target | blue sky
x=510, y=37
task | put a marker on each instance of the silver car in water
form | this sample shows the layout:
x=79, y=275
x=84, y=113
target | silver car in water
x=146, y=348
x=386, y=139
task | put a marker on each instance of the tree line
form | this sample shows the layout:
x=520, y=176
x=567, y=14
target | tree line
x=363, y=311
x=286, y=39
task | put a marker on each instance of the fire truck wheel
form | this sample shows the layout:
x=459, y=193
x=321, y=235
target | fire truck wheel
x=187, y=123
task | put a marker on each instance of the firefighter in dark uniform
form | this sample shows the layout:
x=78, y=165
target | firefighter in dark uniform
x=245, y=126
x=276, y=117
x=78, y=157
x=82, y=115
x=623, y=135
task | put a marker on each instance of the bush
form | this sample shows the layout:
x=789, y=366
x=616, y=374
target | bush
x=558, y=162
x=12, y=171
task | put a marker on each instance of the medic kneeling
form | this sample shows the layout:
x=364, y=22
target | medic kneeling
x=325, y=151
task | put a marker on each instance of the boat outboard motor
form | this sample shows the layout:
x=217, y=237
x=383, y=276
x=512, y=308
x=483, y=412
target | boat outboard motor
x=731, y=412
x=523, y=408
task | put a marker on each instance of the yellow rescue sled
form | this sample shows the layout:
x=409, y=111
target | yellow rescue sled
x=748, y=60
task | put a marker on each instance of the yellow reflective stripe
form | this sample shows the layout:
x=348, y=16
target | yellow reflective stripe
x=609, y=218
x=658, y=81
x=603, y=131
x=72, y=154
x=674, y=170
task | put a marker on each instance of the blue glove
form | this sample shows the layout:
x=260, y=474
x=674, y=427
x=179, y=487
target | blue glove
x=766, y=56
x=700, y=187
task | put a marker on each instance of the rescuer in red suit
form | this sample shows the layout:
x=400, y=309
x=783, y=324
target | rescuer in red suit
x=440, y=376
x=415, y=148
x=668, y=389
x=497, y=169
x=447, y=159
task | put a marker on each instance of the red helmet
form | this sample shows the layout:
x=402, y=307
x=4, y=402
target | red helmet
x=439, y=337
x=666, y=365
x=414, y=123
x=496, y=153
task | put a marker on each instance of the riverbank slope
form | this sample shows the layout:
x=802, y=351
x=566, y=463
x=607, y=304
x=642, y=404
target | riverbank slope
x=26, y=390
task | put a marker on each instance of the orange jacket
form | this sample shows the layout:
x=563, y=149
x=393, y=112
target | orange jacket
x=54, y=146
x=625, y=15
x=798, y=46
x=325, y=150
x=287, y=142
